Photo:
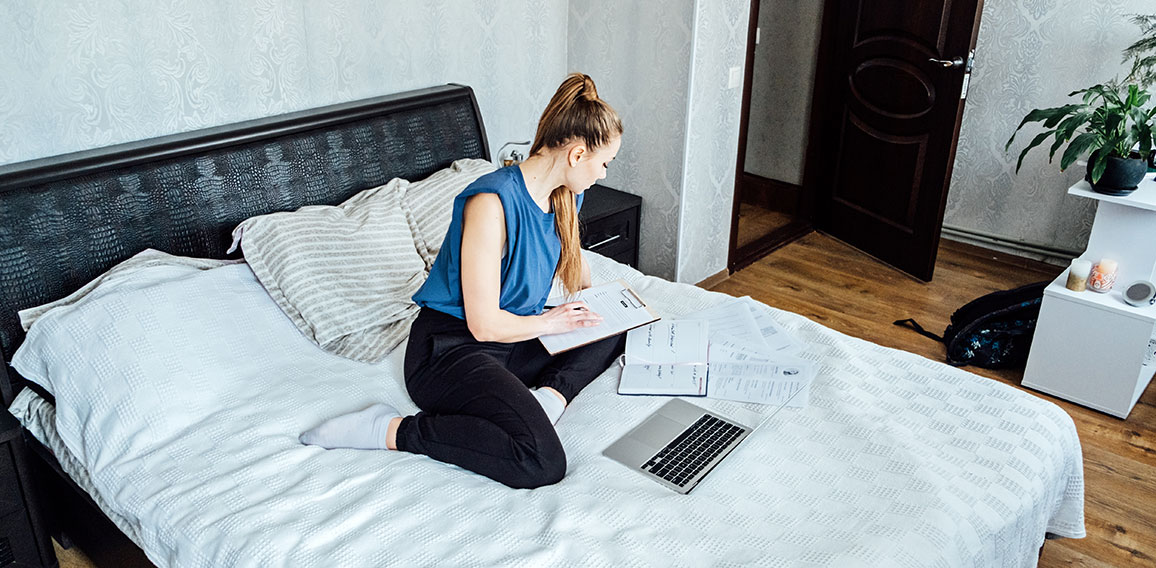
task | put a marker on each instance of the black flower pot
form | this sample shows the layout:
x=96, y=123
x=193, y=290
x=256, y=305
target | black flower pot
x=1121, y=176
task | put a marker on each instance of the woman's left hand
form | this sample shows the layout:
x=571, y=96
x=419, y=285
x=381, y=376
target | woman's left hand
x=568, y=317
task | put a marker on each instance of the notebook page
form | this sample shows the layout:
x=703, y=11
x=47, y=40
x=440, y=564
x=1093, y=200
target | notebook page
x=668, y=342
x=620, y=307
x=670, y=380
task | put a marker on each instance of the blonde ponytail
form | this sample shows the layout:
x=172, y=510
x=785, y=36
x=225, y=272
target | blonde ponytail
x=574, y=113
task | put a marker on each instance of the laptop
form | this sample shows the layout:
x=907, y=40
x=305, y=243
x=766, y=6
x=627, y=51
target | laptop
x=678, y=445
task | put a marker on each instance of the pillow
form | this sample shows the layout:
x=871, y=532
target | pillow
x=169, y=352
x=344, y=274
x=429, y=204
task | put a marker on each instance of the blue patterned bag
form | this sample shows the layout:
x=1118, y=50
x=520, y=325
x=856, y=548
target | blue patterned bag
x=993, y=331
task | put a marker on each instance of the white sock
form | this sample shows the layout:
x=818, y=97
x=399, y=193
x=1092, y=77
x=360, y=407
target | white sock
x=551, y=403
x=361, y=430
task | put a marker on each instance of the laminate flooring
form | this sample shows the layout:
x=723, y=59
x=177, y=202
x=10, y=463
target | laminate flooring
x=840, y=287
x=756, y=221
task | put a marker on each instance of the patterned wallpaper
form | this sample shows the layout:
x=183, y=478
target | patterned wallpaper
x=712, y=142
x=663, y=65
x=639, y=54
x=784, y=74
x=1031, y=54
x=90, y=73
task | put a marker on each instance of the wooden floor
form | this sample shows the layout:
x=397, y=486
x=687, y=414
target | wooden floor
x=756, y=222
x=840, y=287
x=844, y=289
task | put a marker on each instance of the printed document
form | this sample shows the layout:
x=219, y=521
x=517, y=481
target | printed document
x=619, y=305
x=761, y=377
x=666, y=358
x=734, y=320
x=764, y=383
x=777, y=338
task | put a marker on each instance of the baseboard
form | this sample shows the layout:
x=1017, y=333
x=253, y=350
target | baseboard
x=1052, y=255
x=714, y=279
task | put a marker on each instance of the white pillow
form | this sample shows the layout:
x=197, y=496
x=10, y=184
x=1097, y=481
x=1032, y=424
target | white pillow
x=177, y=349
x=344, y=274
x=429, y=203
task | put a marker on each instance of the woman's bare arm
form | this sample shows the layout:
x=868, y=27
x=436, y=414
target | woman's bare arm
x=483, y=237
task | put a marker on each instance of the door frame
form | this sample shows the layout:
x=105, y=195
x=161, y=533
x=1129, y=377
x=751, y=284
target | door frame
x=739, y=258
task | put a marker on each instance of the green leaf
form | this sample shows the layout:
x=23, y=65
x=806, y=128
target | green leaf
x=1067, y=128
x=1110, y=95
x=1133, y=94
x=1074, y=93
x=1098, y=168
x=1059, y=113
x=1079, y=145
x=1112, y=122
x=1035, y=142
x=1045, y=115
x=1143, y=98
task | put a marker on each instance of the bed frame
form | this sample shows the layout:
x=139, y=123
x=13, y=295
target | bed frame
x=66, y=219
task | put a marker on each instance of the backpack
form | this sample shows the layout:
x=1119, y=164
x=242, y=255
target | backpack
x=993, y=331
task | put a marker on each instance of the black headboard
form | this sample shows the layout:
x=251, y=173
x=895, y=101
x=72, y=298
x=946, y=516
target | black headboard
x=66, y=219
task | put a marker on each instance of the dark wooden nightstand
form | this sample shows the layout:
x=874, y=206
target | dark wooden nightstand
x=23, y=540
x=609, y=223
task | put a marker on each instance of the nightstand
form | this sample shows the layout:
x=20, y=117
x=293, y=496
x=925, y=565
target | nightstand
x=23, y=540
x=609, y=223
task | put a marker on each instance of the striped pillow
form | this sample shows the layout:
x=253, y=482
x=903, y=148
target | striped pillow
x=429, y=203
x=344, y=274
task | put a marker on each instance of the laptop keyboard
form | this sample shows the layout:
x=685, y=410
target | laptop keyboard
x=692, y=450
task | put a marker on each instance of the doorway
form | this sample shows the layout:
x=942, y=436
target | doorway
x=771, y=208
x=861, y=102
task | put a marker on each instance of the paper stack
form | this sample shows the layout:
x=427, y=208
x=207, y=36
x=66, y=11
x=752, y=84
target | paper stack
x=750, y=357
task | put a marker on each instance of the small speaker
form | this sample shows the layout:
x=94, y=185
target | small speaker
x=1139, y=293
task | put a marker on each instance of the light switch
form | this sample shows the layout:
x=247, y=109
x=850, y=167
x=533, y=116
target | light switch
x=735, y=78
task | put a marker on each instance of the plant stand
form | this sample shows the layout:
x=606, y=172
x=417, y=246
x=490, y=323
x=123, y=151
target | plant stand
x=1094, y=349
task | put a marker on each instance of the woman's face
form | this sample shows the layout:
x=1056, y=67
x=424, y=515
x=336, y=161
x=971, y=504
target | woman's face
x=590, y=166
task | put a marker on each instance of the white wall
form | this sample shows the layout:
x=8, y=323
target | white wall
x=712, y=142
x=781, y=88
x=1031, y=54
x=663, y=64
x=91, y=73
x=639, y=54
x=88, y=73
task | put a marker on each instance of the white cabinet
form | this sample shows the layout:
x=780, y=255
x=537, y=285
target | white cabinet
x=1091, y=348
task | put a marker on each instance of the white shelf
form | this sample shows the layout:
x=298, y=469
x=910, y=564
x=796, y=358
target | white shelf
x=1113, y=300
x=1089, y=347
x=1144, y=197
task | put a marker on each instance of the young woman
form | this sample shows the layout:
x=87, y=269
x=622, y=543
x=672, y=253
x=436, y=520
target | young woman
x=489, y=392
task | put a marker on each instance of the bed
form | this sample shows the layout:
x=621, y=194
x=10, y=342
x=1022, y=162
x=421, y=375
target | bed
x=189, y=456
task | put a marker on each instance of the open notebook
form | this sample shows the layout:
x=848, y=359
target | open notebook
x=666, y=358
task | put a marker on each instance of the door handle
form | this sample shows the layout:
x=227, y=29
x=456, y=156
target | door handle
x=948, y=63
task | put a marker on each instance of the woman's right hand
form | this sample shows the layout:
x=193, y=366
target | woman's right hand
x=568, y=317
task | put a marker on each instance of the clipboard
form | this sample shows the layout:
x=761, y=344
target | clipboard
x=621, y=308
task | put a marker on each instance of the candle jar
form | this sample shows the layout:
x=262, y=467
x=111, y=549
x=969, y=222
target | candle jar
x=1078, y=275
x=1103, y=276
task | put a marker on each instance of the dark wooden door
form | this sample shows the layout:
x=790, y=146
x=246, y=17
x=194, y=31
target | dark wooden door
x=891, y=78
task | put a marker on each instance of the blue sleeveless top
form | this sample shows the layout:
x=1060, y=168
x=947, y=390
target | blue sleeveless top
x=528, y=262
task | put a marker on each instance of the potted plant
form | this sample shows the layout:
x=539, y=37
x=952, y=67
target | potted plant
x=1109, y=124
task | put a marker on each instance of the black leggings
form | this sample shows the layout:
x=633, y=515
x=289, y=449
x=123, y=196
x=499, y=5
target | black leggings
x=477, y=410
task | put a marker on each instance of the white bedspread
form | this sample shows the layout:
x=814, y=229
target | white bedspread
x=897, y=461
